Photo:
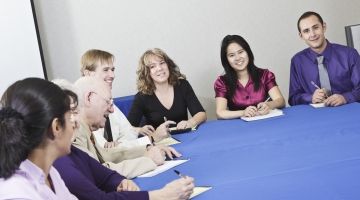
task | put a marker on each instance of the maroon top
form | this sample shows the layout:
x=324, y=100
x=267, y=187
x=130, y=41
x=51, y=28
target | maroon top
x=246, y=96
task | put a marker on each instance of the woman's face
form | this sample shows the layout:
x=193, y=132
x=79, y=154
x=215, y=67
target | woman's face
x=237, y=57
x=70, y=125
x=159, y=70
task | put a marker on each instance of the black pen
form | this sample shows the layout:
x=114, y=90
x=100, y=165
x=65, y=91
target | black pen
x=178, y=173
x=152, y=140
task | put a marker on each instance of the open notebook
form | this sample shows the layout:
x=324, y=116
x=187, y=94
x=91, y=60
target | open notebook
x=272, y=113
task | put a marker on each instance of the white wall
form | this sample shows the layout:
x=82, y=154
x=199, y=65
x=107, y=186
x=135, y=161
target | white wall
x=189, y=31
x=19, y=50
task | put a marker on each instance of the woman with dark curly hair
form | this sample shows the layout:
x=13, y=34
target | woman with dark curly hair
x=164, y=93
x=37, y=123
x=244, y=89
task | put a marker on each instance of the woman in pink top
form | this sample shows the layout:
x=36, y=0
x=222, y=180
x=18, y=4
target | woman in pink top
x=37, y=122
x=244, y=89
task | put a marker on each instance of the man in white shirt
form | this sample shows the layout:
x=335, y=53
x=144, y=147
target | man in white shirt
x=100, y=64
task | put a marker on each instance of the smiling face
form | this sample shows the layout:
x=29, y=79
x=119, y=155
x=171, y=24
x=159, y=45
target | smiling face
x=101, y=105
x=67, y=129
x=313, y=33
x=67, y=136
x=104, y=71
x=159, y=70
x=237, y=57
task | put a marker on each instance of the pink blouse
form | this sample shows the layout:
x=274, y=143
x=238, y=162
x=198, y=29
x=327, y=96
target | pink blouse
x=246, y=96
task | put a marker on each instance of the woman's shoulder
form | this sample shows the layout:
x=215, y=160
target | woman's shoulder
x=27, y=191
x=220, y=80
x=265, y=72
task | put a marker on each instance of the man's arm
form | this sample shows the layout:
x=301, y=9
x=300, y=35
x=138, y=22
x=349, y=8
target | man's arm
x=297, y=94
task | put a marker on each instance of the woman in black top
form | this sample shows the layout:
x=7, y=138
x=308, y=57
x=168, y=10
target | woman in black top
x=164, y=94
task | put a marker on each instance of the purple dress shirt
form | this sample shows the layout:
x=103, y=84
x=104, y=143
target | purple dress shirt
x=28, y=182
x=343, y=65
x=89, y=180
x=246, y=96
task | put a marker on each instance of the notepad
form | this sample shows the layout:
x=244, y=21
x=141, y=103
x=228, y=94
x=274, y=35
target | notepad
x=168, y=141
x=198, y=190
x=317, y=105
x=272, y=113
x=166, y=166
x=174, y=130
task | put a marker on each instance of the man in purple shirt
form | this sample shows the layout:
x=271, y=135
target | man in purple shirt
x=342, y=64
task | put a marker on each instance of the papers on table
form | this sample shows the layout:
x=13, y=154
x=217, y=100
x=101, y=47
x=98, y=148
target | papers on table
x=168, y=141
x=317, y=105
x=167, y=165
x=198, y=190
x=272, y=113
x=143, y=140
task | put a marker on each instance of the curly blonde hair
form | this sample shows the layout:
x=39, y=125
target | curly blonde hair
x=145, y=84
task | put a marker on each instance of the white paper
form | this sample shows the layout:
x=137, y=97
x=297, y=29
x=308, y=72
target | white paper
x=272, y=113
x=143, y=140
x=168, y=141
x=166, y=166
x=317, y=105
x=198, y=190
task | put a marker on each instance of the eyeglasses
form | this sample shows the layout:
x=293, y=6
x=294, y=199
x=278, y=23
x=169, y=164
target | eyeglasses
x=108, y=101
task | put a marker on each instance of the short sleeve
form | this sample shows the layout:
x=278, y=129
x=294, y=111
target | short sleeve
x=220, y=87
x=268, y=80
x=192, y=101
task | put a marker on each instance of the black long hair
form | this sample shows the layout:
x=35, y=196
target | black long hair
x=28, y=108
x=230, y=78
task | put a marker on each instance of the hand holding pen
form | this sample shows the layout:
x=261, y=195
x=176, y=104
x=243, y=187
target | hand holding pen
x=162, y=131
x=319, y=95
x=262, y=105
x=181, y=188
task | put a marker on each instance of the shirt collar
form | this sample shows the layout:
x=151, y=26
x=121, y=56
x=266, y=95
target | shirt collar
x=326, y=53
x=31, y=171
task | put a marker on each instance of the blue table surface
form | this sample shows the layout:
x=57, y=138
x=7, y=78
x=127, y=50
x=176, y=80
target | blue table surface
x=307, y=154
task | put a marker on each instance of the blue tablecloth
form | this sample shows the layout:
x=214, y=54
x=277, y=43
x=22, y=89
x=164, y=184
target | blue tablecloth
x=306, y=154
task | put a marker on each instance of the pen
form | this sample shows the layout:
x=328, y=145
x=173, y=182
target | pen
x=178, y=173
x=312, y=82
x=152, y=140
x=165, y=119
x=267, y=99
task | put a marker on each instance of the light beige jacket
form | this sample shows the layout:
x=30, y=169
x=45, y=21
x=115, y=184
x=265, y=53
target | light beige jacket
x=129, y=162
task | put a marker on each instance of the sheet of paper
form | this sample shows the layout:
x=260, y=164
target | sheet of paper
x=166, y=166
x=168, y=141
x=143, y=140
x=317, y=105
x=198, y=190
x=272, y=113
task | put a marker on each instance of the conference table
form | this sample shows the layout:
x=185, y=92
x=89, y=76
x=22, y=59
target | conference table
x=308, y=153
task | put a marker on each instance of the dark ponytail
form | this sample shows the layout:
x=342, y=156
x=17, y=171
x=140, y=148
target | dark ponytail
x=28, y=108
x=13, y=143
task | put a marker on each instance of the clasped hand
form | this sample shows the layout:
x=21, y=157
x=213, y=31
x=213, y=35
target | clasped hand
x=261, y=109
x=320, y=96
